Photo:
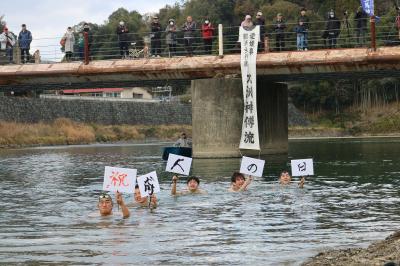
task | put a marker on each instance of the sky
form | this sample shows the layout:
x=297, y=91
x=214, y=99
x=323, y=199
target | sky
x=48, y=19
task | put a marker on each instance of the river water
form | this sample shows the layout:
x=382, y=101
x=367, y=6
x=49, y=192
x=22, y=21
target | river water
x=48, y=196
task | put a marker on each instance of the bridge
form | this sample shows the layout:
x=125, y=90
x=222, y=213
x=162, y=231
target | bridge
x=217, y=98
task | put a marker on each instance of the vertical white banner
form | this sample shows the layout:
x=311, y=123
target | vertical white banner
x=249, y=43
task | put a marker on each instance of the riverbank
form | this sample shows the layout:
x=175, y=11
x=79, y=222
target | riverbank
x=67, y=132
x=379, y=253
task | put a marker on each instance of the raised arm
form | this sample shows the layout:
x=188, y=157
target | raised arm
x=302, y=181
x=120, y=201
x=246, y=184
x=174, y=180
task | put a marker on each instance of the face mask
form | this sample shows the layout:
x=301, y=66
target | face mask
x=171, y=23
x=206, y=21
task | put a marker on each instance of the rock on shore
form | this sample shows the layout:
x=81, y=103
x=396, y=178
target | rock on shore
x=386, y=252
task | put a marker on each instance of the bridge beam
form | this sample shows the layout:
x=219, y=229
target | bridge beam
x=218, y=113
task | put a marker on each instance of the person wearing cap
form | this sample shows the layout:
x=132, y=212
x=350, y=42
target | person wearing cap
x=192, y=184
x=69, y=44
x=279, y=29
x=155, y=37
x=332, y=30
x=286, y=179
x=105, y=205
x=24, y=40
x=123, y=39
x=239, y=182
x=207, y=30
x=189, y=31
x=7, y=42
x=260, y=21
x=171, y=37
x=247, y=23
x=305, y=23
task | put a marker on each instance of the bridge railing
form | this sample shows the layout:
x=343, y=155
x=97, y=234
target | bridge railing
x=224, y=41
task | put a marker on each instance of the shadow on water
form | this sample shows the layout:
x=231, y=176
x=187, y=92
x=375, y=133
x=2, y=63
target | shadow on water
x=50, y=194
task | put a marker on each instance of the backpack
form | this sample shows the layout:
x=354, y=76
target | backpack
x=62, y=41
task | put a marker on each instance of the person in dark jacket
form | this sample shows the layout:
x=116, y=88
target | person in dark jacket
x=260, y=21
x=24, y=40
x=332, y=30
x=123, y=39
x=207, y=30
x=155, y=37
x=279, y=29
x=189, y=30
x=361, y=20
x=305, y=26
x=301, y=31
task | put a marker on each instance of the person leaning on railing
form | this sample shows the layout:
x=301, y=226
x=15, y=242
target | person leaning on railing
x=7, y=42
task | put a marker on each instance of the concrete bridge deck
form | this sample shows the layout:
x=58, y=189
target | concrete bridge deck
x=279, y=66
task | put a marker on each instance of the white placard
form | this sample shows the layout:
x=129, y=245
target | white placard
x=302, y=167
x=119, y=179
x=249, y=40
x=148, y=184
x=178, y=164
x=251, y=166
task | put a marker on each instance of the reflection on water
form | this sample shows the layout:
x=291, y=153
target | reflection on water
x=48, y=195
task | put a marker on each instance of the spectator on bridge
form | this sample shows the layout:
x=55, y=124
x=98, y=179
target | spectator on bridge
x=171, y=37
x=305, y=25
x=25, y=39
x=189, y=30
x=7, y=42
x=123, y=39
x=247, y=23
x=301, y=32
x=207, y=30
x=361, y=20
x=332, y=30
x=69, y=38
x=81, y=45
x=260, y=21
x=86, y=30
x=398, y=20
x=155, y=37
x=279, y=29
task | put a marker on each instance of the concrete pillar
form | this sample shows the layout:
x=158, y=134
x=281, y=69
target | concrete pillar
x=218, y=114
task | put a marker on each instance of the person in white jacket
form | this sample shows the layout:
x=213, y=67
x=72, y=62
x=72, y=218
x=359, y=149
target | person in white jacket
x=69, y=44
x=7, y=43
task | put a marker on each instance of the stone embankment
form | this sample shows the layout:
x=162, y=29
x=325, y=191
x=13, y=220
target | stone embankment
x=381, y=253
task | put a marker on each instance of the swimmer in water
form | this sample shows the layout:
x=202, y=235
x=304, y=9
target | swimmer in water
x=105, y=205
x=192, y=183
x=144, y=202
x=239, y=182
x=286, y=179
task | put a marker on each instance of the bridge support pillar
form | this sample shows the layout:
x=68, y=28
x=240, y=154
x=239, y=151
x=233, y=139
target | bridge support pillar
x=218, y=114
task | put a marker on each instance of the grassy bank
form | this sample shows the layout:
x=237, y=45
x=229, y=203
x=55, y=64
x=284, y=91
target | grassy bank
x=66, y=132
x=372, y=122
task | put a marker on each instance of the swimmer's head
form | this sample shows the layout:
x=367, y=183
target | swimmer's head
x=238, y=179
x=284, y=177
x=105, y=204
x=193, y=183
x=138, y=195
